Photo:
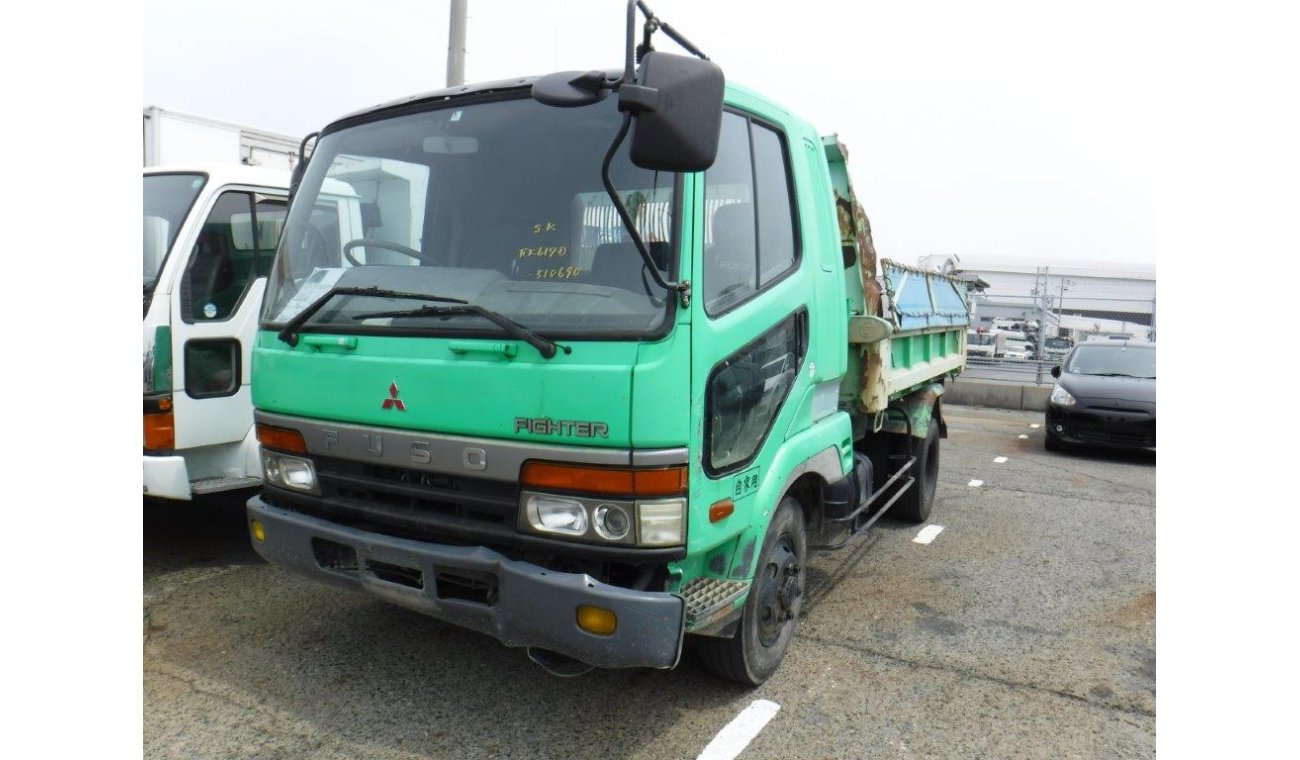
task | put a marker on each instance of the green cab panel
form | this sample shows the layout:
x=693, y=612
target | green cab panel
x=421, y=383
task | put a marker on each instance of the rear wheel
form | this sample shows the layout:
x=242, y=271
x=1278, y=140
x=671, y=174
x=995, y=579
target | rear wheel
x=916, y=503
x=772, y=609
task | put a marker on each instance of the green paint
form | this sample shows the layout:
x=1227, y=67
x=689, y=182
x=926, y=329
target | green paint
x=162, y=359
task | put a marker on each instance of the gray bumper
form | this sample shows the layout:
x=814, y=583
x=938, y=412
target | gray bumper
x=531, y=607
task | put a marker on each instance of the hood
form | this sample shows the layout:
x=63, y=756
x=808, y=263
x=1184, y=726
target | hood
x=1134, y=389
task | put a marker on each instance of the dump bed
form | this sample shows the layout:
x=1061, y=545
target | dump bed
x=907, y=326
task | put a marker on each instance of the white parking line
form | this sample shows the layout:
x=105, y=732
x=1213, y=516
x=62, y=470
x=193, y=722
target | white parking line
x=927, y=534
x=975, y=483
x=1034, y=425
x=1022, y=436
x=736, y=735
x=999, y=460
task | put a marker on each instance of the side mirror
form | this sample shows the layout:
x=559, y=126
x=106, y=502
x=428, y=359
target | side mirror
x=1056, y=371
x=677, y=101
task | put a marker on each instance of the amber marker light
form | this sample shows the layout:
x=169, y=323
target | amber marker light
x=721, y=510
x=597, y=620
x=159, y=431
x=281, y=439
x=259, y=531
x=606, y=481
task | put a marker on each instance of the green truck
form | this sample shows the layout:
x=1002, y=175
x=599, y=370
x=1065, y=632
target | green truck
x=613, y=352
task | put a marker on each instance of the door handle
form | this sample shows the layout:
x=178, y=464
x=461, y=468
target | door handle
x=499, y=348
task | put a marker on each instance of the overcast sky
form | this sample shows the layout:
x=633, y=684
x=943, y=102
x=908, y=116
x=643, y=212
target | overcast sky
x=985, y=130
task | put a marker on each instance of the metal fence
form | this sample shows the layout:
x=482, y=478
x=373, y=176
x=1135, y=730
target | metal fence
x=1010, y=370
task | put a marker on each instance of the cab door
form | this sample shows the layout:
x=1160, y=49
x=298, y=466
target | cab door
x=753, y=305
x=216, y=304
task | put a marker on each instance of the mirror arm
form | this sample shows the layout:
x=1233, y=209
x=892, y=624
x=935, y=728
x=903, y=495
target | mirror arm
x=301, y=168
x=683, y=288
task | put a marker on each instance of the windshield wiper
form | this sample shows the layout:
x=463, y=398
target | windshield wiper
x=1119, y=374
x=545, y=347
x=290, y=332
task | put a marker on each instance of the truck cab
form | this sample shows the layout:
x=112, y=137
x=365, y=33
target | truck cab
x=210, y=234
x=586, y=401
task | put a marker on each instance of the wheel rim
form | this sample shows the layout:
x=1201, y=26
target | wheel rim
x=780, y=590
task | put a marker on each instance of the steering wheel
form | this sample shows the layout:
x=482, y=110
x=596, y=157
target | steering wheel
x=373, y=243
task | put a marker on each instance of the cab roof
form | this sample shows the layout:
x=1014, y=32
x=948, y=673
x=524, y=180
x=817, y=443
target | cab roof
x=228, y=174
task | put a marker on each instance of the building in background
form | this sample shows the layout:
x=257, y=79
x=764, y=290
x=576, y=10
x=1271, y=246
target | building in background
x=1072, y=298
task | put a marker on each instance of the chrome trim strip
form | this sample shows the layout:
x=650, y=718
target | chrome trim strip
x=659, y=457
x=488, y=458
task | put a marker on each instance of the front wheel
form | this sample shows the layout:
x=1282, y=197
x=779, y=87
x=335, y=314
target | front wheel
x=772, y=609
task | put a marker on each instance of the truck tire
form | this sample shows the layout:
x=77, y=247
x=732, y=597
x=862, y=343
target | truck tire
x=916, y=503
x=772, y=609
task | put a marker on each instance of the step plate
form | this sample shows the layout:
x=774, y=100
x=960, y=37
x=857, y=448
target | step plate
x=216, y=485
x=706, y=598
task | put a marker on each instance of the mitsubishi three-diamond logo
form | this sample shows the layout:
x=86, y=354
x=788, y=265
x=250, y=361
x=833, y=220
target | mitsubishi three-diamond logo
x=393, y=400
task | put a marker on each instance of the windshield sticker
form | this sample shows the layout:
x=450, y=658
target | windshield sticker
x=317, y=284
x=744, y=484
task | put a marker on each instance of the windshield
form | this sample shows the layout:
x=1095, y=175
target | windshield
x=167, y=199
x=979, y=339
x=499, y=204
x=1133, y=361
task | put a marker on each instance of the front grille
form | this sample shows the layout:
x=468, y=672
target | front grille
x=1143, y=434
x=407, y=498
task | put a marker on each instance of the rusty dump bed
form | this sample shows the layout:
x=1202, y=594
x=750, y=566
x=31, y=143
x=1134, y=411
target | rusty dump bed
x=908, y=326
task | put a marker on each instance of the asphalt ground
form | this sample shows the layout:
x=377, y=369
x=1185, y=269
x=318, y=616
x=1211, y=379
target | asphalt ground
x=1024, y=629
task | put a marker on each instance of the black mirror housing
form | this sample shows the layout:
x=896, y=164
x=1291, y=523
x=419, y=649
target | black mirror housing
x=677, y=101
x=1056, y=371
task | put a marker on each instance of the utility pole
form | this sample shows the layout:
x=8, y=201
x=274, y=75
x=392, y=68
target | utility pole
x=456, y=44
x=1042, y=312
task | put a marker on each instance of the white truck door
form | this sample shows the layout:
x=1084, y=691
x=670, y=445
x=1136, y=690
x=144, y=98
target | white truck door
x=215, y=309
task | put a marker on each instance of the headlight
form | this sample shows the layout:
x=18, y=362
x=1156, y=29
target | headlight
x=1061, y=397
x=612, y=521
x=553, y=514
x=285, y=471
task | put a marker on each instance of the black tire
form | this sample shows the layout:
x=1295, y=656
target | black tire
x=772, y=609
x=915, y=505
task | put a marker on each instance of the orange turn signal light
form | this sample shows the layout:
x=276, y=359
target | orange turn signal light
x=159, y=431
x=597, y=620
x=605, y=481
x=281, y=439
x=720, y=510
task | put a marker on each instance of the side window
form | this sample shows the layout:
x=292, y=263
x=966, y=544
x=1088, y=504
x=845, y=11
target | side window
x=776, y=252
x=746, y=390
x=223, y=261
x=744, y=253
x=211, y=367
x=269, y=213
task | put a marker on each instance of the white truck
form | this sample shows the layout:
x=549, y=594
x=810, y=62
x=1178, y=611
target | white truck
x=173, y=138
x=210, y=237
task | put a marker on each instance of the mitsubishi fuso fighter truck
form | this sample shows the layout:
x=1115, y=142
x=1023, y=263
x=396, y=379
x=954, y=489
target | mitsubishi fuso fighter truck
x=621, y=355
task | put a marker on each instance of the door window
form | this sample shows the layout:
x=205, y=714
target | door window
x=745, y=252
x=235, y=247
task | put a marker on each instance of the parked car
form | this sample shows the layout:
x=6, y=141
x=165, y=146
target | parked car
x=1105, y=395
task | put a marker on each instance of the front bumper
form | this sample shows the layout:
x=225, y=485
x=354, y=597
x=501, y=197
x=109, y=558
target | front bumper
x=166, y=477
x=518, y=603
x=1125, y=429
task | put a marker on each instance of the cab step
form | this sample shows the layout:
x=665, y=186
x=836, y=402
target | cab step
x=217, y=485
x=709, y=600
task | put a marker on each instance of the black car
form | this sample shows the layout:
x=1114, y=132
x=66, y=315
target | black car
x=1105, y=395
